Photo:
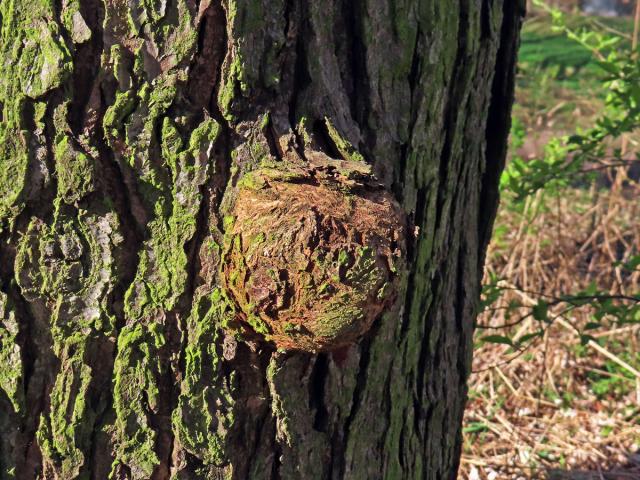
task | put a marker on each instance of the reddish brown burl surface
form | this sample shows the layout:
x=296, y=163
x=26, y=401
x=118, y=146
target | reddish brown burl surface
x=313, y=256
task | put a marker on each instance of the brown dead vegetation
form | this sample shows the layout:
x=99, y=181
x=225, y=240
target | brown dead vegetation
x=558, y=409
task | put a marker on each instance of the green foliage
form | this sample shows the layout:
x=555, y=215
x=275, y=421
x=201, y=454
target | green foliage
x=611, y=380
x=545, y=49
x=584, y=153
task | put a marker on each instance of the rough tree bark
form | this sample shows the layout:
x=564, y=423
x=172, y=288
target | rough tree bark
x=127, y=125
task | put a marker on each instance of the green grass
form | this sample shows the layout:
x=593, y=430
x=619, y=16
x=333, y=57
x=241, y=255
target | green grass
x=546, y=49
x=556, y=74
x=615, y=381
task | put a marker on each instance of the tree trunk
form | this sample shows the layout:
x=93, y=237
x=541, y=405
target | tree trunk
x=127, y=128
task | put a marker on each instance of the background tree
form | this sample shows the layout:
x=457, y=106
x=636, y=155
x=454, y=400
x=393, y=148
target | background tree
x=127, y=130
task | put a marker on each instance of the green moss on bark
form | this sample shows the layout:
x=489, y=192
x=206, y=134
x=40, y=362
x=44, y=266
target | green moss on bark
x=136, y=369
x=70, y=264
x=204, y=412
x=171, y=172
x=12, y=391
x=65, y=434
x=75, y=171
x=162, y=271
x=36, y=61
x=11, y=371
x=345, y=148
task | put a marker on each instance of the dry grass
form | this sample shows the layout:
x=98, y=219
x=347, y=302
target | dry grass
x=559, y=409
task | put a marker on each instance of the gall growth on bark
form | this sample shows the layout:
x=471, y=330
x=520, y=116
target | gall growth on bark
x=313, y=255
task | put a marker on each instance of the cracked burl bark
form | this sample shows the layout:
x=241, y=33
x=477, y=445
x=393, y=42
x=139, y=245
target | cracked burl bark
x=314, y=252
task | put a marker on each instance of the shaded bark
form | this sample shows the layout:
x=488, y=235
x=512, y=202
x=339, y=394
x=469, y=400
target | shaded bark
x=126, y=127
